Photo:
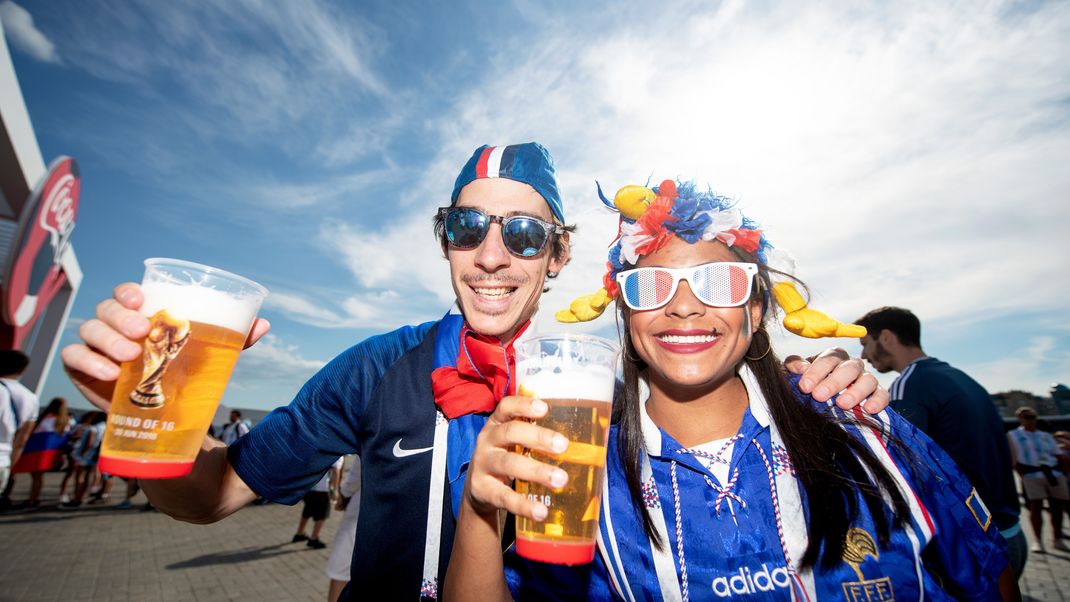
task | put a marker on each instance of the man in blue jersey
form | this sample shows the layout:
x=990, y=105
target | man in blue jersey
x=411, y=402
x=953, y=409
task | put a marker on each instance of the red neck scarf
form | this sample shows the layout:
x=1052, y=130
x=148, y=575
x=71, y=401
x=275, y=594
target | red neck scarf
x=485, y=373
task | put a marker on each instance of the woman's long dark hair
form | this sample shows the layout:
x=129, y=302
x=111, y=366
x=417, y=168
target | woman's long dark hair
x=832, y=465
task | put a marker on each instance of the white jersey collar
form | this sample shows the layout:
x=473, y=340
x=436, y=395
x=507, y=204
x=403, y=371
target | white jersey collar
x=652, y=434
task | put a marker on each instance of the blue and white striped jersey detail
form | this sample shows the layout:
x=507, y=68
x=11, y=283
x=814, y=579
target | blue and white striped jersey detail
x=898, y=389
x=1036, y=448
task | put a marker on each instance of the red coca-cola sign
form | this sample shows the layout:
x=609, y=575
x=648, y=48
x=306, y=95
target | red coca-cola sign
x=34, y=272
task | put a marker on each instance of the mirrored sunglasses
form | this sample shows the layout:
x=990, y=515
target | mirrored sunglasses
x=717, y=284
x=522, y=235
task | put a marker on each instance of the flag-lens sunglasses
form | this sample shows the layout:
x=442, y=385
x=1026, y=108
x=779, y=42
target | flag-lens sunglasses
x=717, y=284
x=522, y=235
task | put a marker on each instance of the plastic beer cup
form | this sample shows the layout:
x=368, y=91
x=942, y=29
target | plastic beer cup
x=575, y=376
x=165, y=400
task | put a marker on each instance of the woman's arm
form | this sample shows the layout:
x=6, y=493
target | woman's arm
x=1008, y=586
x=476, y=571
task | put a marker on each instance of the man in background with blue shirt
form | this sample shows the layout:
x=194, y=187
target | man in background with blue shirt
x=954, y=410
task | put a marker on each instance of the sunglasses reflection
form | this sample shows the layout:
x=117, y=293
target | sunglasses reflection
x=523, y=235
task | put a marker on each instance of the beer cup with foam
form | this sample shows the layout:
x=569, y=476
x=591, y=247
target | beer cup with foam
x=575, y=376
x=165, y=400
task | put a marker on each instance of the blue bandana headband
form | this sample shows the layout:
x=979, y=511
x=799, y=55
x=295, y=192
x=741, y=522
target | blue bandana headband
x=529, y=163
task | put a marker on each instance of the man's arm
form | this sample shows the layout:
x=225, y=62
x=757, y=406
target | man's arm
x=212, y=491
x=351, y=482
x=1011, y=443
x=336, y=477
x=1008, y=586
x=19, y=442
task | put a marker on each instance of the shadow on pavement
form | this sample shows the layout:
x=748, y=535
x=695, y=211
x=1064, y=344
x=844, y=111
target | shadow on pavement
x=52, y=513
x=36, y=517
x=244, y=555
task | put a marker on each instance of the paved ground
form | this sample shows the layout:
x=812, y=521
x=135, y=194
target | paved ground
x=1047, y=576
x=103, y=553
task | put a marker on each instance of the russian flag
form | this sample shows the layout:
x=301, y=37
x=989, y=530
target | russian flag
x=43, y=451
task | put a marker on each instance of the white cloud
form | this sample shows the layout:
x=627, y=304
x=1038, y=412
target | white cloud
x=913, y=157
x=24, y=35
x=272, y=359
x=400, y=270
x=250, y=67
x=1027, y=368
x=908, y=153
x=914, y=160
x=299, y=197
x=910, y=159
x=301, y=309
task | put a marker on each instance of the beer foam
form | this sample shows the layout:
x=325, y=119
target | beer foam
x=568, y=382
x=201, y=304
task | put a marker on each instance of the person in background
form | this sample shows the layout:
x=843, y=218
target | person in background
x=342, y=551
x=1036, y=458
x=85, y=455
x=1062, y=439
x=73, y=437
x=234, y=429
x=18, y=414
x=954, y=410
x=318, y=506
x=44, y=449
x=132, y=488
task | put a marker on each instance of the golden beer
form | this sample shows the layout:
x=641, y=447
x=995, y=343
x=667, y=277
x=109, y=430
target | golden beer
x=192, y=386
x=574, y=375
x=572, y=517
x=164, y=401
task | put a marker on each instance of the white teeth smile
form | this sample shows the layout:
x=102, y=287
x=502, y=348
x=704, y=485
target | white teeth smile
x=494, y=293
x=687, y=340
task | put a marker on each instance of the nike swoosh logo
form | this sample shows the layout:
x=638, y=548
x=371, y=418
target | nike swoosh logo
x=401, y=453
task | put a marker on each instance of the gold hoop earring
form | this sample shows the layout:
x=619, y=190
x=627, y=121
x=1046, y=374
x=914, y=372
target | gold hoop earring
x=768, y=346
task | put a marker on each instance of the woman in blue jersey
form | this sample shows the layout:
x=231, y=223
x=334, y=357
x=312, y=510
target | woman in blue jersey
x=723, y=479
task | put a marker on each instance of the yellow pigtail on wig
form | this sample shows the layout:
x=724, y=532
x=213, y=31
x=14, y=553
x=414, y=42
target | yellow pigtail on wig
x=810, y=323
x=585, y=308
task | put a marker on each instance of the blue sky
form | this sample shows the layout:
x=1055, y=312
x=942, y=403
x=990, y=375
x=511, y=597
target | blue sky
x=906, y=154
